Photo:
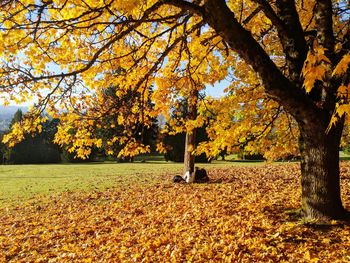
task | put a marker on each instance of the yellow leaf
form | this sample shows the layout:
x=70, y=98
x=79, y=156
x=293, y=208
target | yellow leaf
x=342, y=66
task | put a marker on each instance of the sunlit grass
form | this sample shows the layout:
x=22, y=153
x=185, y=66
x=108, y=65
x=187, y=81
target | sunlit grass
x=20, y=183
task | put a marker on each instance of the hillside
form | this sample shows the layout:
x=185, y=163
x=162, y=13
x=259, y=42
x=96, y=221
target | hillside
x=6, y=114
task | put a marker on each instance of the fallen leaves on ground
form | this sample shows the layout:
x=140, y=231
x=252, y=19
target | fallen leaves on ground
x=244, y=214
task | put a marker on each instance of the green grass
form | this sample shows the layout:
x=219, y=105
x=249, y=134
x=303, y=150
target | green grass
x=344, y=156
x=20, y=183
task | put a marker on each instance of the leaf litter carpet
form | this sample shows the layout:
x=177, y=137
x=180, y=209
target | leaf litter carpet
x=245, y=214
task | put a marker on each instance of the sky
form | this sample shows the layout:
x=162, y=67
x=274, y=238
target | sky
x=215, y=91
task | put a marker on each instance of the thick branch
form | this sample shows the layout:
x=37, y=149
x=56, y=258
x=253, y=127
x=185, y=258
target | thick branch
x=293, y=99
x=324, y=22
x=292, y=38
x=290, y=32
x=189, y=6
x=270, y=14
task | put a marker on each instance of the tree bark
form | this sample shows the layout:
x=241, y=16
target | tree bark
x=189, y=147
x=190, y=142
x=320, y=176
x=319, y=150
x=294, y=100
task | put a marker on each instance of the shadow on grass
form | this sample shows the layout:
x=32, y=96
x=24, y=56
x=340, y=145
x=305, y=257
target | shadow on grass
x=283, y=213
x=33, y=177
x=245, y=161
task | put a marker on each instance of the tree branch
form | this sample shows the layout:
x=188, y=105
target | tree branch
x=185, y=5
x=324, y=22
x=294, y=45
x=290, y=32
x=270, y=14
x=251, y=16
x=97, y=54
x=277, y=86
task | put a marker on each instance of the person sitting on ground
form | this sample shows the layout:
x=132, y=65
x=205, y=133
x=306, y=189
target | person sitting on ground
x=198, y=176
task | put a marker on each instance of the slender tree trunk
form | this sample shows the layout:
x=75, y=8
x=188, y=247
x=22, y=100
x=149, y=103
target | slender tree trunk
x=320, y=177
x=190, y=142
x=189, y=147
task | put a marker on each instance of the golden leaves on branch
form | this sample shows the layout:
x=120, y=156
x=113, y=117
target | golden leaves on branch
x=105, y=45
x=315, y=68
x=343, y=92
x=30, y=124
x=246, y=120
x=342, y=66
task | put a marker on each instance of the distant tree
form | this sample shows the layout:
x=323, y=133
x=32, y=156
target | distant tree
x=181, y=143
x=70, y=157
x=17, y=117
x=176, y=146
x=223, y=154
x=2, y=150
x=115, y=126
x=34, y=148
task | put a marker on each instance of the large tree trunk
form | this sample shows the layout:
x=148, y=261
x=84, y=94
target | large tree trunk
x=319, y=150
x=320, y=177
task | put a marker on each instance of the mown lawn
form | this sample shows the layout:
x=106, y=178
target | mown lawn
x=133, y=213
x=19, y=183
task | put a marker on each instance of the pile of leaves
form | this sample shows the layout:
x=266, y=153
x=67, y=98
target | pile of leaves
x=244, y=214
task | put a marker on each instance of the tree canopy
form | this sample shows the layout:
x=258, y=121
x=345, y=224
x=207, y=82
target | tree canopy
x=63, y=54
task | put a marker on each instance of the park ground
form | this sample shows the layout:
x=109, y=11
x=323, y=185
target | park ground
x=108, y=212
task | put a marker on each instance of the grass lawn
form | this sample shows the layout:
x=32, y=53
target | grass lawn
x=20, y=183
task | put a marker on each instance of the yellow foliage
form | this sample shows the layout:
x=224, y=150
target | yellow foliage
x=342, y=66
x=315, y=68
x=67, y=60
x=30, y=124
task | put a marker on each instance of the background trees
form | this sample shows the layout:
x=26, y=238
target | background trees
x=183, y=134
x=34, y=148
x=293, y=55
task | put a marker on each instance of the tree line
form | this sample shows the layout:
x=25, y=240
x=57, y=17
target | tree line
x=40, y=147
